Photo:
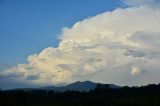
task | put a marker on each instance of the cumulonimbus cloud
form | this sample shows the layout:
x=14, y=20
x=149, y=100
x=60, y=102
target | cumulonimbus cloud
x=108, y=48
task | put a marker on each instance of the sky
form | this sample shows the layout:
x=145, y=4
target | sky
x=56, y=42
x=29, y=26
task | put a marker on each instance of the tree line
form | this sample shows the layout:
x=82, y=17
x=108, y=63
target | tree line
x=102, y=95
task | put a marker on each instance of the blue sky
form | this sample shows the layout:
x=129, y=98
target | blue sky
x=29, y=26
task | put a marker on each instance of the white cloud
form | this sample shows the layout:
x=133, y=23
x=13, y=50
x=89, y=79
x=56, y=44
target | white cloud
x=141, y=2
x=102, y=48
x=135, y=70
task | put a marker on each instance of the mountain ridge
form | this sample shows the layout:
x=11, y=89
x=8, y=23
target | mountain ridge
x=78, y=86
x=75, y=86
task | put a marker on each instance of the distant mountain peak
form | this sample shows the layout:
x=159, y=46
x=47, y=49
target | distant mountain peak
x=78, y=86
x=75, y=86
x=82, y=82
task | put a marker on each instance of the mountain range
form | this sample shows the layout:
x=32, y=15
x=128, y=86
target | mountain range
x=78, y=86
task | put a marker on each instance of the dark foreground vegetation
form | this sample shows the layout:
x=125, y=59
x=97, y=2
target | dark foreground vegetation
x=101, y=96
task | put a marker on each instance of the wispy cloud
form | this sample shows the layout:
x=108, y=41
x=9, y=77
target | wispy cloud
x=141, y=2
